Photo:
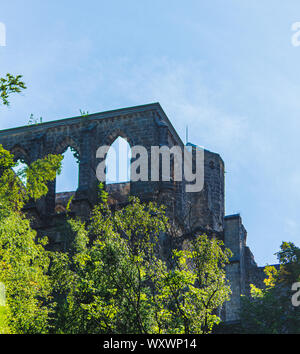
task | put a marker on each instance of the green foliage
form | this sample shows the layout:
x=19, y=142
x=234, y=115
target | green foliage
x=75, y=154
x=190, y=293
x=111, y=276
x=111, y=279
x=23, y=267
x=13, y=193
x=84, y=113
x=4, y=328
x=68, y=206
x=23, y=261
x=8, y=85
x=102, y=194
x=289, y=258
x=6, y=160
x=270, y=310
x=34, y=121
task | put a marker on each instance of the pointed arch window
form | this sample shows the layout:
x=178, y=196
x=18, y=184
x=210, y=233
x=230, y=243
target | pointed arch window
x=19, y=170
x=68, y=179
x=118, y=162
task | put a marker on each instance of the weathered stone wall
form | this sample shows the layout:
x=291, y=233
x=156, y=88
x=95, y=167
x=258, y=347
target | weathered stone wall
x=242, y=270
x=140, y=126
x=233, y=241
x=208, y=205
x=143, y=125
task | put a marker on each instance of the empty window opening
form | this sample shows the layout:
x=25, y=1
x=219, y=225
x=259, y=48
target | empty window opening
x=20, y=169
x=118, y=162
x=68, y=179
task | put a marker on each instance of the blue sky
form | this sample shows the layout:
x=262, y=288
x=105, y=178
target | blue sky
x=228, y=70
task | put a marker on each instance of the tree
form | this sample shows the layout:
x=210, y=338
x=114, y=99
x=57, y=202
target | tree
x=190, y=294
x=23, y=261
x=111, y=278
x=270, y=310
x=8, y=85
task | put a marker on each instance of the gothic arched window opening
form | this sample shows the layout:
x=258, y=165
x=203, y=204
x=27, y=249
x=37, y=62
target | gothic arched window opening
x=20, y=169
x=118, y=162
x=68, y=179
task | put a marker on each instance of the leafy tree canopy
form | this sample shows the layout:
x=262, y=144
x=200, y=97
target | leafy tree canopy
x=270, y=310
x=23, y=261
x=112, y=279
x=8, y=85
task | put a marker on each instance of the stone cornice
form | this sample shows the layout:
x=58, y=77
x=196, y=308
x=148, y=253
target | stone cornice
x=91, y=118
